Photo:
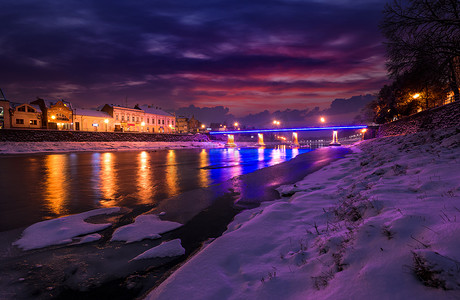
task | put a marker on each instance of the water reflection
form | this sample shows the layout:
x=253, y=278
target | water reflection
x=108, y=180
x=71, y=183
x=144, y=178
x=56, y=183
x=203, y=175
x=171, y=173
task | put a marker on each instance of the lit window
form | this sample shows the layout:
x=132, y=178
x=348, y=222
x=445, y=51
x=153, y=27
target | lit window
x=19, y=121
x=33, y=122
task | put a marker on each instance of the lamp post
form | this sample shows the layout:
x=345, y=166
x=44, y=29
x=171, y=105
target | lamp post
x=106, y=121
x=322, y=120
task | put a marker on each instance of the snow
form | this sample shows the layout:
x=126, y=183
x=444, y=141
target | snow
x=381, y=223
x=166, y=249
x=63, y=230
x=144, y=227
x=46, y=147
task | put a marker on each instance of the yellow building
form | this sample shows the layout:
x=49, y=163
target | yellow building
x=157, y=120
x=92, y=120
x=25, y=115
x=56, y=114
x=125, y=119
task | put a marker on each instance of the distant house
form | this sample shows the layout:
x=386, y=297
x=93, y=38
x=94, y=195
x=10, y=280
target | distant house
x=182, y=124
x=25, y=115
x=56, y=114
x=185, y=124
x=92, y=120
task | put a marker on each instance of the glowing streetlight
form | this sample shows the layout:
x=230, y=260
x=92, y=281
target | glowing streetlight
x=322, y=119
x=203, y=126
x=415, y=96
x=106, y=121
x=235, y=124
x=53, y=117
x=143, y=124
x=276, y=122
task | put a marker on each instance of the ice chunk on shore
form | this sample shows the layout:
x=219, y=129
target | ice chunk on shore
x=61, y=230
x=165, y=249
x=144, y=227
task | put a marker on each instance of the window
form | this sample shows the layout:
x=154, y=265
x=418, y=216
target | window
x=137, y=119
x=116, y=117
x=1, y=112
x=159, y=121
x=163, y=121
x=30, y=109
x=122, y=118
x=148, y=121
x=19, y=121
x=22, y=108
x=33, y=122
x=172, y=122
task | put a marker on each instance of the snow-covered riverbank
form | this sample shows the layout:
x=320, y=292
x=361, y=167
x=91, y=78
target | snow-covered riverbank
x=49, y=147
x=382, y=223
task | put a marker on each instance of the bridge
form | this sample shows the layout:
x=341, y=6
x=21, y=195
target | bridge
x=260, y=132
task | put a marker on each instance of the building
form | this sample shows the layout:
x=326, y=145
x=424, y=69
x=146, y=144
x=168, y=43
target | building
x=157, y=120
x=56, y=114
x=25, y=115
x=125, y=119
x=92, y=120
x=182, y=124
x=185, y=125
x=5, y=121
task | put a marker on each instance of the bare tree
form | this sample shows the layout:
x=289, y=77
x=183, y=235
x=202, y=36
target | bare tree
x=420, y=29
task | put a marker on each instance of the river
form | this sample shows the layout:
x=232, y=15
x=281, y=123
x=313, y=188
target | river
x=39, y=187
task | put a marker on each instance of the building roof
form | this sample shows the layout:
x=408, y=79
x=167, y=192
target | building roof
x=120, y=106
x=91, y=113
x=49, y=103
x=16, y=104
x=155, y=110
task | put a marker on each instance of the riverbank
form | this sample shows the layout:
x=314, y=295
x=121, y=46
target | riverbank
x=52, y=147
x=381, y=223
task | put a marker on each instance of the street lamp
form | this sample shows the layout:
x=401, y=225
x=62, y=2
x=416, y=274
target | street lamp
x=415, y=96
x=276, y=122
x=106, y=121
x=322, y=119
x=235, y=124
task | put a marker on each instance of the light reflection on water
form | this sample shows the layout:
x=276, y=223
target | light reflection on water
x=56, y=184
x=62, y=184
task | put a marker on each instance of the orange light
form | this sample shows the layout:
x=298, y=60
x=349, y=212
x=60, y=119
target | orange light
x=235, y=124
x=106, y=121
x=53, y=117
x=143, y=124
x=415, y=96
x=322, y=119
x=363, y=130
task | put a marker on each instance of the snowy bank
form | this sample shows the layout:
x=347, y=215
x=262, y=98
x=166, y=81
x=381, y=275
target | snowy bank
x=381, y=223
x=45, y=147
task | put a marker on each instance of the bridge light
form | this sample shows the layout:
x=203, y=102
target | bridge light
x=235, y=124
x=322, y=119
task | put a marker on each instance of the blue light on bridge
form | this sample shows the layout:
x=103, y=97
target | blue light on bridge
x=290, y=129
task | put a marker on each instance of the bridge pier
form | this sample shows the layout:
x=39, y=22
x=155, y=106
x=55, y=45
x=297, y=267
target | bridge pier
x=295, y=139
x=261, y=140
x=335, y=140
x=230, y=141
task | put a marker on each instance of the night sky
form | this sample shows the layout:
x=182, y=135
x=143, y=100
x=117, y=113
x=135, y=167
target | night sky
x=246, y=55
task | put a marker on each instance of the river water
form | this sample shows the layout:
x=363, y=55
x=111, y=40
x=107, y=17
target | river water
x=38, y=187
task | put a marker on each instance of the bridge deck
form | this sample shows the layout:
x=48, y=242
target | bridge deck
x=290, y=129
